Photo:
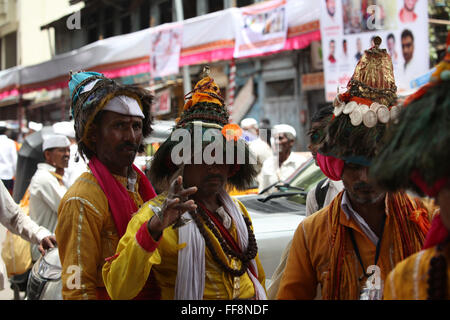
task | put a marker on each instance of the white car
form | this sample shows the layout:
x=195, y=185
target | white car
x=274, y=223
x=276, y=216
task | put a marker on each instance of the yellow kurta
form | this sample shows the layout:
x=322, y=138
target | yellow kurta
x=408, y=280
x=309, y=258
x=128, y=272
x=86, y=235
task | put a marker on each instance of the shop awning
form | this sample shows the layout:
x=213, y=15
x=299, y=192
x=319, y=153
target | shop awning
x=206, y=39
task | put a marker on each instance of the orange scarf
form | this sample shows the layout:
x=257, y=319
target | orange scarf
x=408, y=239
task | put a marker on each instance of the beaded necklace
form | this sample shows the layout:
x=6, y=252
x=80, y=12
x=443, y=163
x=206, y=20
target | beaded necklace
x=202, y=218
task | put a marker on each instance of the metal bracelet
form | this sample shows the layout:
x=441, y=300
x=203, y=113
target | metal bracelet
x=157, y=211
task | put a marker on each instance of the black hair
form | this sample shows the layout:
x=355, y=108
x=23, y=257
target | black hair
x=407, y=33
x=322, y=113
x=390, y=36
x=113, y=89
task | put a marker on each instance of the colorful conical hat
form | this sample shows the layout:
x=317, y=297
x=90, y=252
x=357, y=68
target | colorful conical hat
x=371, y=92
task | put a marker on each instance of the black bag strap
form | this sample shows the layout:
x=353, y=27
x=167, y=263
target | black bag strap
x=321, y=193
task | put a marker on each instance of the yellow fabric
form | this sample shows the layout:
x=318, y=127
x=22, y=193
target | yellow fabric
x=408, y=280
x=312, y=256
x=86, y=235
x=204, y=91
x=16, y=252
x=126, y=275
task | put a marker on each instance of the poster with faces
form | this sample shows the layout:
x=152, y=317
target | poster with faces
x=349, y=26
x=165, y=49
x=260, y=28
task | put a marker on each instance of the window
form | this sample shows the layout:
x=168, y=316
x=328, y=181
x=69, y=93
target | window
x=189, y=9
x=243, y=3
x=215, y=5
x=10, y=41
x=3, y=7
x=125, y=23
x=280, y=88
x=144, y=15
x=165, y=12
x=108, y=22
x=92, y=27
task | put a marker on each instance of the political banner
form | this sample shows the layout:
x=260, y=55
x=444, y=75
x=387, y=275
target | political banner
x=349, y=26
x=260, y=28
x=162, y=103
x=165, y=49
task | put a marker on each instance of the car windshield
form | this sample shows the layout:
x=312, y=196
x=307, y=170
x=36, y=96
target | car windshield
x=306, y=178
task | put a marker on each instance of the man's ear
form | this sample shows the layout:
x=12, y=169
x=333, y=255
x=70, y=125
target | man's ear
x=291, y=143
x=47, y=154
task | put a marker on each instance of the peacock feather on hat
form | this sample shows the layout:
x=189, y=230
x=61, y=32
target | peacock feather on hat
x=90, y=92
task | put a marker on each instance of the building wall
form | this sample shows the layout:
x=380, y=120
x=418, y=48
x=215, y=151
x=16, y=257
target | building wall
x=36, y=45
x=8, y=33
x=22, y=40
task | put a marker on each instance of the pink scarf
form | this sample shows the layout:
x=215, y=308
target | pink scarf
x=121, y=205
x=332, y=167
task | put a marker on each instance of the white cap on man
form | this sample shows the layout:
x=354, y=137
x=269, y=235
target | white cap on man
x=35, y=125
x=249, y=123
x=124, y=105
x=65, y=128
x=55, y=141
x=286, y=129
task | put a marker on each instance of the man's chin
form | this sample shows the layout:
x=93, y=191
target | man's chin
x=368, y=199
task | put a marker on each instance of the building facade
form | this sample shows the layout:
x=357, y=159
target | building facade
x=267, y=87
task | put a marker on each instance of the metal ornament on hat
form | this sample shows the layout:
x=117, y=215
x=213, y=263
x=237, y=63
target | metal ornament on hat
x=365, y=110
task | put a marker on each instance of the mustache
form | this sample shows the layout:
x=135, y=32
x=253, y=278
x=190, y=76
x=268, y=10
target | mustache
x=362, y=186
x=214, y=176
x=128, y=145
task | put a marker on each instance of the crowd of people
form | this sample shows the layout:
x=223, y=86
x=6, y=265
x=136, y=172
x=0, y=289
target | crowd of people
x=377, y=227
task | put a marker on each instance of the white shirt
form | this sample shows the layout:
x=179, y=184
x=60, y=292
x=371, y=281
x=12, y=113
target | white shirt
x=409, y=73
x=13, y=218
x=8, y=158
x=45, y=195
x=351, y=213
x=271, y=172
x=261, y=150
x=311, y=202
x=74, y=169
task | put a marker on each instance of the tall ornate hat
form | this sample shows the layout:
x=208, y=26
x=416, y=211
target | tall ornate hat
x=371, y=94
x=416, y=155
x=204, y=109
x=362, y=112
x=205, y=105
x=92, y=92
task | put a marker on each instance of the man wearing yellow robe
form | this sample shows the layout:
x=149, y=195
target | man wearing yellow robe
x=194, y=241
x=345, y=250
x=110, y=123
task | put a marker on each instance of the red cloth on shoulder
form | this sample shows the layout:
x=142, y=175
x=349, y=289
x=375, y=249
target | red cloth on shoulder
x=437, y=233
x=121, y=205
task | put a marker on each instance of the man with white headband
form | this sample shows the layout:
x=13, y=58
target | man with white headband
x=284, y=162
x=47, y=187
x=110, y=123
